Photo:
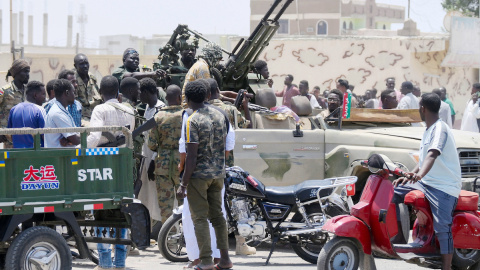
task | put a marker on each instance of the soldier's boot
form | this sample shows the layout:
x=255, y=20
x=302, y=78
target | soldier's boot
x=242, y=248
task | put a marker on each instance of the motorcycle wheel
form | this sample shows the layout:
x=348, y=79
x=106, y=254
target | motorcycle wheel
x=464, y=258
x=309, y=251
x=339, y=254
x=171, y=241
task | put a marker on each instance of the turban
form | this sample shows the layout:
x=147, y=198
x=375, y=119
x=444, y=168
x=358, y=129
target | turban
x=17, y=66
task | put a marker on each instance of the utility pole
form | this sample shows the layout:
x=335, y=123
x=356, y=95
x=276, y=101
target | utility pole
x=409, y=9
x=82, y=20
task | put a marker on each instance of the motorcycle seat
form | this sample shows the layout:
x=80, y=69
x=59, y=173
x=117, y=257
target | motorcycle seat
x=304, y=191
x=467, y=201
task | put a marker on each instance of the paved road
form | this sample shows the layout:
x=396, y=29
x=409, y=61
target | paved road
x=282, y=259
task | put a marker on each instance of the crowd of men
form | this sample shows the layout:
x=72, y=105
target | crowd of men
x=181, y=155
x=408, y=97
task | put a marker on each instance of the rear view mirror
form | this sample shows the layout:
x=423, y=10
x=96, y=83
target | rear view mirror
x=375, y=163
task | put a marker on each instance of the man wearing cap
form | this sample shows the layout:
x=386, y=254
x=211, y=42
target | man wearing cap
x=409, y=101
x=131, y=59
x=13, y=93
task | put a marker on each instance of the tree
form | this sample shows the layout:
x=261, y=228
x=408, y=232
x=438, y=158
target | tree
x=467, y=7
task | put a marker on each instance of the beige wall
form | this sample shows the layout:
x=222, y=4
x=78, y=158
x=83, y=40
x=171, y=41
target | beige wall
x=366, y=62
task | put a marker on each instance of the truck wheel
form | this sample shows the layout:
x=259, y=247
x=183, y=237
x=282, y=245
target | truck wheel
x=39, y=248
x=463, y=258
x=310, y=247
x=339, y=254
x=171, y=241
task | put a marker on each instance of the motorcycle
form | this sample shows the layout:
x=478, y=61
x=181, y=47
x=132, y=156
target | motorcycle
x=372, y=224
x=293, y=214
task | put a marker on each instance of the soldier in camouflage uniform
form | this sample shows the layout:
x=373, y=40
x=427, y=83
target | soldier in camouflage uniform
x=239, y=122
x=87, y=91
x=13, y=93
x=206, y=131
x=163, y=139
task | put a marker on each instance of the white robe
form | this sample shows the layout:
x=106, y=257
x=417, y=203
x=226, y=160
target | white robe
x=469, y=120
x=148, y=192
x=189, y=232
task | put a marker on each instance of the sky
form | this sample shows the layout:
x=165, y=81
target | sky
x=144, y=18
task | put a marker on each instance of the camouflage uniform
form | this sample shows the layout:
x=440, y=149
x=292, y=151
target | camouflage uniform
x=10, y=96
x=88, y=95
x=208, y=129
x=163, y=139
x=241, y=121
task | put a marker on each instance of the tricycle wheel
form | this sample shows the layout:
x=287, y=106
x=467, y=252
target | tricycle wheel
x=339, y=254
x=171, y=241
x=39, y=248
x=463, y=258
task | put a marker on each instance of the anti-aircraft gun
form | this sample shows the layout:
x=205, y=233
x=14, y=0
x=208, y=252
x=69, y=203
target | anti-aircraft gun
x=240, y=60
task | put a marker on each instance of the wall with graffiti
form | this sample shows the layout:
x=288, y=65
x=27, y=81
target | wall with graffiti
x=366, y=62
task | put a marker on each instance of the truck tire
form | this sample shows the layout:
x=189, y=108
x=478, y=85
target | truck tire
x=309, y=251
x=37, y=243
x=171, y=241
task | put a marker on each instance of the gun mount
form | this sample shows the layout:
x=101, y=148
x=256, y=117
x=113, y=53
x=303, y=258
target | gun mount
x=240, y=60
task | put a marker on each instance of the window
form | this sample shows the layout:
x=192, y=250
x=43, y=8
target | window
x=384, y=27
x=322, y=28
x=351, y=26
x=344, y=25
x=284, y=26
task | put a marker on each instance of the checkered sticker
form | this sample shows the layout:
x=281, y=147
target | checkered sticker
x=101, y=151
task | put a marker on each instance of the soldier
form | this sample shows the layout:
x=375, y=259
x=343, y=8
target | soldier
x=210, y=57
x=130, y=68
x=13, y=93
x=188, y=58
x=163, y=139
x=204, y=174
x=240, y=121
x=260, y=68
x=87, y=92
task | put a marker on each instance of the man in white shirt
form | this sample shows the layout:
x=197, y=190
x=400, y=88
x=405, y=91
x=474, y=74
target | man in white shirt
x=303, y=87
x=445, y=112
x=437, y=175
x=111, y=113
x=60, y=117
x=472, y=111
x=409, y=101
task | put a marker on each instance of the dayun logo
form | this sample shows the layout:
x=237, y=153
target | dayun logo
x=38, y=179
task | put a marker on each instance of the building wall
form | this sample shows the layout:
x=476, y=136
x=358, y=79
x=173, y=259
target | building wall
x=366, y=62
x=302, y=16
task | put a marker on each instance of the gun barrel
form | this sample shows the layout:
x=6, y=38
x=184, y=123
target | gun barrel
x=282, y=10
x=265, y=18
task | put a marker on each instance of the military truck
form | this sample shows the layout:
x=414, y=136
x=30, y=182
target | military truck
x=50, y=197
x=324, y=148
